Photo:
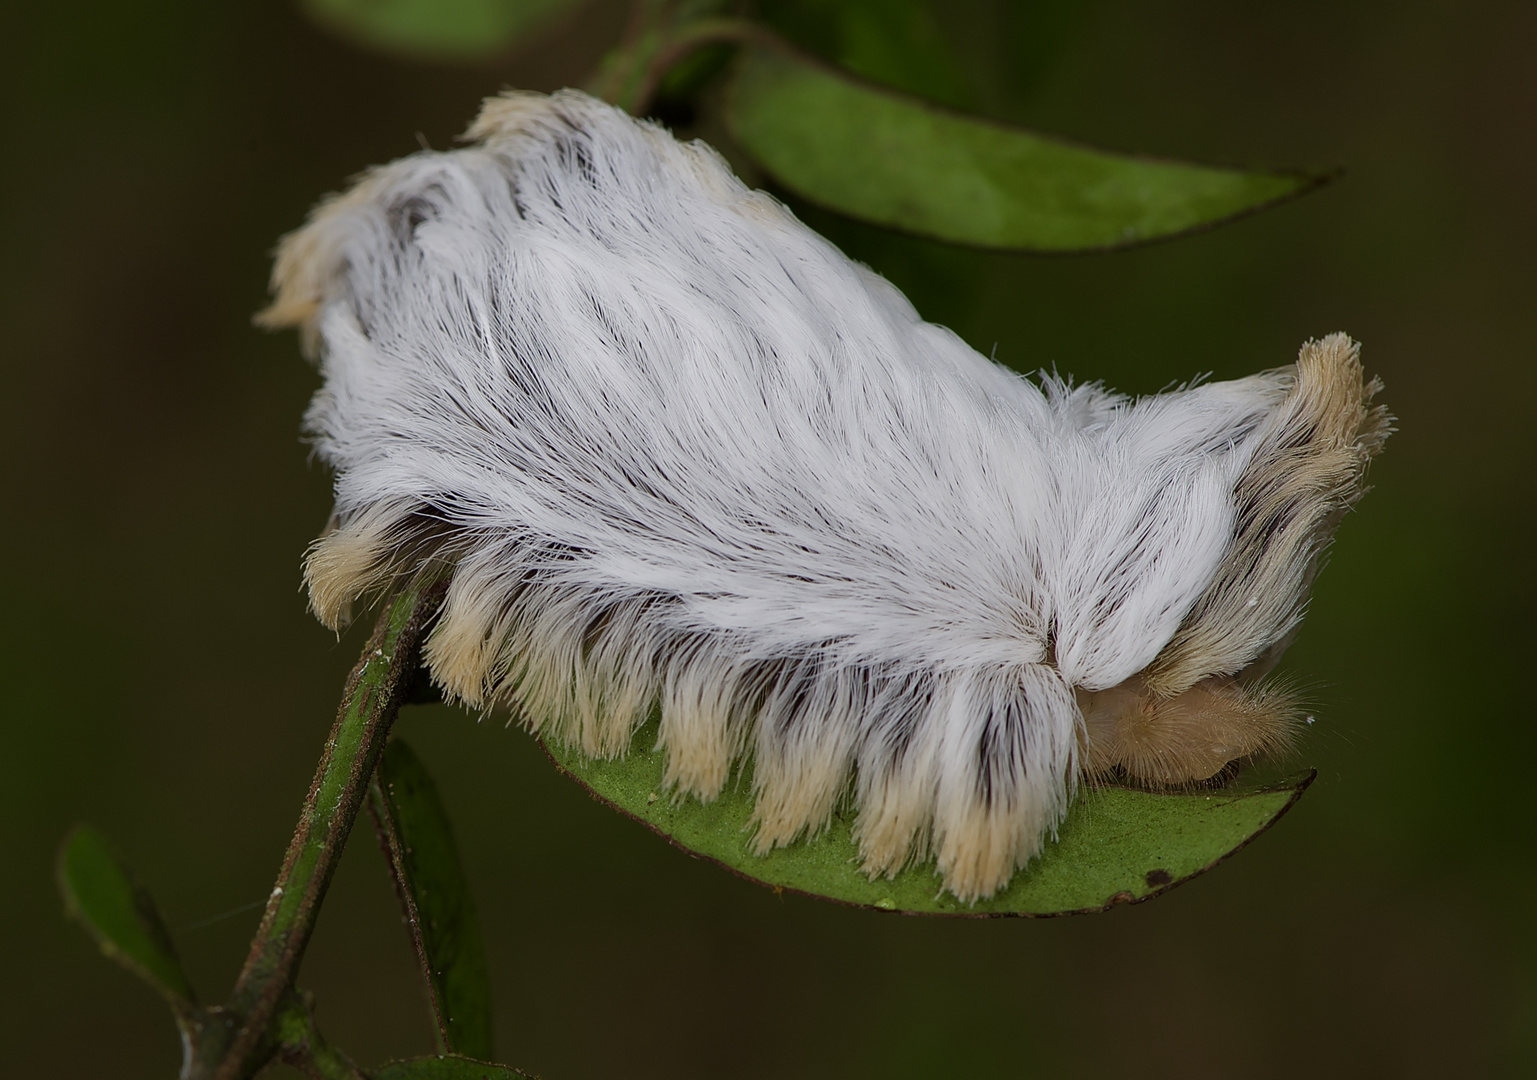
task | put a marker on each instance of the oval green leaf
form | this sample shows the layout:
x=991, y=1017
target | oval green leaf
x=418, y=842
x=447, y=1068
x=436, y=29
x=895, y=161
x=101, y=894
x=1116, y=846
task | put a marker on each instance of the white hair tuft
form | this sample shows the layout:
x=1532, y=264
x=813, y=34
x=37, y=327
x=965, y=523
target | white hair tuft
x=680, y=452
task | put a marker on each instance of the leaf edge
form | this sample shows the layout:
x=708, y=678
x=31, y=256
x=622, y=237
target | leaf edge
x=1298, y=783
x=1308, y=179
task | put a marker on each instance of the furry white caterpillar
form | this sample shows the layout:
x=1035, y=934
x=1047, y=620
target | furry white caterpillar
x=680, y=452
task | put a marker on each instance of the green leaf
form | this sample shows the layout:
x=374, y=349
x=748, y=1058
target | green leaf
x=1116, y=846
x=904, y=164
x=418, y=841
x=447, y=1068
x=436, y=29
x=101, y=893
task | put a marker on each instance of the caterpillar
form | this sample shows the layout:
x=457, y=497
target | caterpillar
x=680, y=453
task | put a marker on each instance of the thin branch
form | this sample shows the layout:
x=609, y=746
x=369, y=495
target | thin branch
x=303, y=1047
x=394, y=849
x=369, y=705
x=630, y=76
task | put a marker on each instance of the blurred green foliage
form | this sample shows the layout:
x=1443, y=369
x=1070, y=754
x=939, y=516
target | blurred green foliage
x=165, y=678
x=887, y=159
x=897, y=43
x=101, y=894
x=463, y=30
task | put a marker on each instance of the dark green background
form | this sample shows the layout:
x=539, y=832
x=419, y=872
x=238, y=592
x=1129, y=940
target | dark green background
x=162, y=678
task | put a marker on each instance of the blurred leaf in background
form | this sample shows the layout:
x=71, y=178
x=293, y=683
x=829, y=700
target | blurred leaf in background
x=897, y=43
x=101, y=894
x=461, y=30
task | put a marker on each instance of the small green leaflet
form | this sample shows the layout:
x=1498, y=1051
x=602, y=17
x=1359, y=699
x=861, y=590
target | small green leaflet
x=1116, y=846
x=895, y=161
x=418, y=841
x=102, y=895
x=465, y=30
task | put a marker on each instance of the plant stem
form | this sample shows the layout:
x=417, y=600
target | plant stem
x=656, y=40
x=303, y=1047
x=260, y=1014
